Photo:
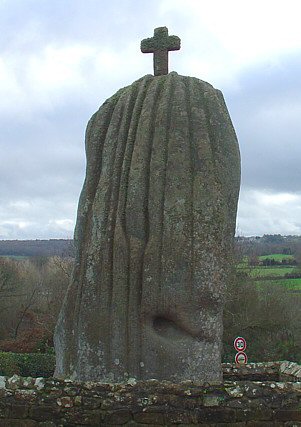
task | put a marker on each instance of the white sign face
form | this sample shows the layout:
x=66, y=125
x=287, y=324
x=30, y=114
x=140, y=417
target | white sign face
x=241, y=358
x=240, y=344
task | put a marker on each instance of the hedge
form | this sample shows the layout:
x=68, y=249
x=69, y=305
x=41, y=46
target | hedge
x=27, y=364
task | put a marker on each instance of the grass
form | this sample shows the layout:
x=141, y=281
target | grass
x=14, y=256
x=271, y=271
x=275, y=273
x=290, y=284
x=276, y=257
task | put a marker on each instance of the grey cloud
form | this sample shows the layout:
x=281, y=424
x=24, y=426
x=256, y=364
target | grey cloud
x=262, y=212
x=44, y=157
x=43, y=161
x=266, y=114
x=95, y=21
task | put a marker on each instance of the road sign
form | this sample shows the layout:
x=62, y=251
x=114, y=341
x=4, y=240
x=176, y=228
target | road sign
x=241, y=358
x=240, y=344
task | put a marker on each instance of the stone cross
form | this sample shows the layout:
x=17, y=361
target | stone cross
x=160, y=45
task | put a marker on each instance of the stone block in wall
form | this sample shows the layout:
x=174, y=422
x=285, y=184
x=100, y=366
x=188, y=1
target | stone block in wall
x=249, y=414
x=238, y=424
x=19, y=411
x=178, y=417
x=18, y=423
x=288, y=415
x=92, y=402
x=148, y=417
x=4, y=410
x=292, y=424
x=215, y=415
x=117, y=417
x=80, y=417
x=264, y=424
x=45, y=413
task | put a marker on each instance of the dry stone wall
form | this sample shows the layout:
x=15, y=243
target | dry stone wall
x=31, y=402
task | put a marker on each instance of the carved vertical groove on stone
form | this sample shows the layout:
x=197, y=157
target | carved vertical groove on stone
x=132, y=135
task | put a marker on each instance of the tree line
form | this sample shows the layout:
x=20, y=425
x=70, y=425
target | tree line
x=32, y=291
x=36, y=248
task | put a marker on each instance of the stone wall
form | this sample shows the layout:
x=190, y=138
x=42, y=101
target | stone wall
x=239, y=401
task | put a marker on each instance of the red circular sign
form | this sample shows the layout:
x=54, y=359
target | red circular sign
x=241, y=358
x=240, y=344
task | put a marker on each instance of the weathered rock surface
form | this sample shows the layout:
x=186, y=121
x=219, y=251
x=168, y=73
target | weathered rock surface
x=154, y=230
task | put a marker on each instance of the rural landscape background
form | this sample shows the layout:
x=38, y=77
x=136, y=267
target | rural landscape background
x=59, y=61
x=262, y=304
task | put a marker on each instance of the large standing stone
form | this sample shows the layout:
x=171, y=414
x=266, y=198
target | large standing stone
x=155, y=224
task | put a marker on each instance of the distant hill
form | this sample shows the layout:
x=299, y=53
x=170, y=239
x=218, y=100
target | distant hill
x=269, y=244
x=253, y=245
x=32, y=248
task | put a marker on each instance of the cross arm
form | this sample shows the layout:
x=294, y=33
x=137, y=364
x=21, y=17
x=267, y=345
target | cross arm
x=151, y=44
x=174, y=43
x=148, y=45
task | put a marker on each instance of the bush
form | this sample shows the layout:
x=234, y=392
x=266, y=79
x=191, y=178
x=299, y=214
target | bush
x=34, y=339
x=8, y=364
x=27, y=365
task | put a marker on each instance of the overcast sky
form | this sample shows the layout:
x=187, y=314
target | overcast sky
x=60, y=60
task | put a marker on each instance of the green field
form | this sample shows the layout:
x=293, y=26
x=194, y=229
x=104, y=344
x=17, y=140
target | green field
x=271, y=271
x=273, y=275
x=290, y=284
x=276, y=257
x=14, y=256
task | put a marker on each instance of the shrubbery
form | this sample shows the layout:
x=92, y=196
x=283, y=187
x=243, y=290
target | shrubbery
x=268, y=317
x=27, y=365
